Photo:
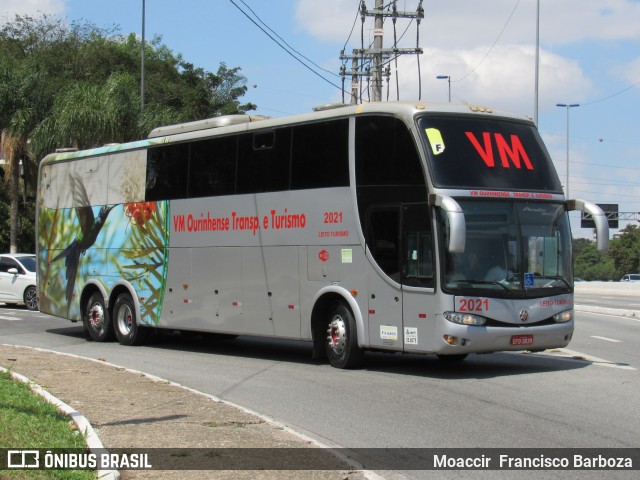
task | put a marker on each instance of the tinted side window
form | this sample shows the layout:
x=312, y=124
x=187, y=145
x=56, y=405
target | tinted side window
x=383, y=239
x=386, y=153
x=320, y=155
x=417, y=241
x=212, y=167
x=167, y=172
x=8, y=263
x=264, y=161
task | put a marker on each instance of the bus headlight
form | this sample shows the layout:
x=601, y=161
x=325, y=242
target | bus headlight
x=465, y=318
x=563, y=317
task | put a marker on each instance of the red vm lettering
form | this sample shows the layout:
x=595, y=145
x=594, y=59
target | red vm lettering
x=513, y=151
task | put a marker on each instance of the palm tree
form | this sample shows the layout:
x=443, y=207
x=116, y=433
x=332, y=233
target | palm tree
x=22, y=104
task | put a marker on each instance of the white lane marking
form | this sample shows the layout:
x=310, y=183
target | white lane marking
x=573, y=355
x=11, y=319
x=606, y=339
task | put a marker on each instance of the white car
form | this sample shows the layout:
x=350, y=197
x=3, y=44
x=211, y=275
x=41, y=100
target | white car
x=631, y=277
x=18, y=280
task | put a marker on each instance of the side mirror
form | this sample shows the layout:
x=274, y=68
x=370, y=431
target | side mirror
x=599, y=218
x=455, y=216
x=13, y=271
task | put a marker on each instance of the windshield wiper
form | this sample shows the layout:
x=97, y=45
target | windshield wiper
x=486, y=282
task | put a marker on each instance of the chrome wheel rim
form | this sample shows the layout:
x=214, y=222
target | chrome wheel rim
x=124, y=319
x=96, y=317
x=337, y=335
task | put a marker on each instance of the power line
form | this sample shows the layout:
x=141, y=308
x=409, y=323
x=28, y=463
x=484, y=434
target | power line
x=608, y=165
x=601, y=193
x=285, y=42
x=355, y=20
x=282, y=46
x=610, y=96
x=492, y=46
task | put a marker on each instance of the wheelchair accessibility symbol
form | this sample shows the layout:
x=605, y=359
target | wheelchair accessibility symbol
x=528, y=279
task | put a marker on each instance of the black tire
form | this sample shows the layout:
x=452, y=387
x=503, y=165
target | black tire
x=219, y=337
x=453, y=358
x=342, y=338
x=125, y=324
x=31, y=298
x=96, y=321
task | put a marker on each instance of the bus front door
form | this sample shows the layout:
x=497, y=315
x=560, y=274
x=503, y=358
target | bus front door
x=385, y=292
x=418, y=278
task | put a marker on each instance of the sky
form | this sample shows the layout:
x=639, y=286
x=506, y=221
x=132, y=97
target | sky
x=589, y=55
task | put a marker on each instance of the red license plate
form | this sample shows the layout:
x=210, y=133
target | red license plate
x=522, y=340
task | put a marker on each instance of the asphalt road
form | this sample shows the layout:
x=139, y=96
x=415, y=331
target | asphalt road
x=608, y=294
x=585, y=396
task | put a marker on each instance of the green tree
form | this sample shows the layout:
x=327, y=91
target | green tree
x=23, y=101
x=590, y=264
x=76, y=85
x=86, y=115
x=625, y=250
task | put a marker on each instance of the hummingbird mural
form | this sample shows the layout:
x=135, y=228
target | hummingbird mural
x=90, y=227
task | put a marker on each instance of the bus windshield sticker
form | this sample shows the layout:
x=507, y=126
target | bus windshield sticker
x=528, y=279
x=435, y=139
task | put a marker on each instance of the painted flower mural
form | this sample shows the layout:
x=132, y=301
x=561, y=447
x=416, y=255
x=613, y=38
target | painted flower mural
x=95, y=227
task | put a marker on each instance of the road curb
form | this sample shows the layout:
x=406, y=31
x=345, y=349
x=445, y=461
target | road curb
x=608, y=311
x=368, y=474
x=84, y=427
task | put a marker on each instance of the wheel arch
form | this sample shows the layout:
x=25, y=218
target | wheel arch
x=89, y=289
x=322, y=301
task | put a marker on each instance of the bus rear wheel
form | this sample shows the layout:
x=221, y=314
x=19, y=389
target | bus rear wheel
x=342, y=338
x=96, y=322
x=128, y=332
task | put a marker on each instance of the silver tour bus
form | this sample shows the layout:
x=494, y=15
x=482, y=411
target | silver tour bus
x=404, y=227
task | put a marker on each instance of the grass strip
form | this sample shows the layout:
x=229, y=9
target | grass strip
x=27, y=421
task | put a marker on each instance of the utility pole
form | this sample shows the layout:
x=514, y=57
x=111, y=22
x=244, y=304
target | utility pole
x=355, y=82
x=378, y=34
x=356, y=74
x=377, y=55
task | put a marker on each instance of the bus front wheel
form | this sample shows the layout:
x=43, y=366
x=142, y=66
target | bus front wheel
x=96, y=322
x=342, y=338
x=128, y=332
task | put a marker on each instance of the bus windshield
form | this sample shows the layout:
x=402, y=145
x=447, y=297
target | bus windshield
x=512, y=248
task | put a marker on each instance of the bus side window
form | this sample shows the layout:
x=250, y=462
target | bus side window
x=264, y=161
x=212, y=167
x=167, y=169
x=320, y=155
x=386, y=154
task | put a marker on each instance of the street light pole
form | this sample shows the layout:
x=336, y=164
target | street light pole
x=448, y=78
x=142, y=62
x=537, y=75
x=567, y=106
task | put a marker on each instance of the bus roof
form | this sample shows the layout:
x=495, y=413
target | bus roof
x=238, y=123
